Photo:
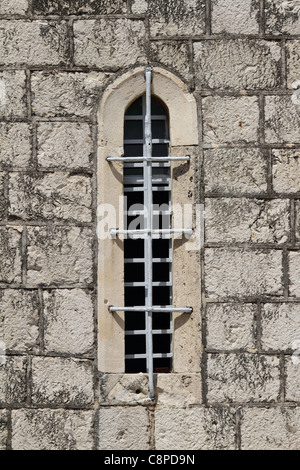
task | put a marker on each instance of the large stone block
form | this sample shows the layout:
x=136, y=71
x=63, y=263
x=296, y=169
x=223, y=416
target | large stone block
x=282, y=17
x=3, y=429
x=286, y=170
x=53, y=196
x=172, y=54
x=15, y=149
x=238, y=272
x=68, y=321
x=79, y=7
x=282, y=120
x=59, y=255
x=297, y=220
x=293, y=59
x=10, y=254
x=52, y=429
x=62, y=381
x=33, y=42
x=13, y=99
x=13, y=387
x=19, y=319
x=235, y=16
x=109, y=43
x=242, y=378
x=280, y=325
x=294, y=273
x=66, y=145
x=225, y=64
x=292, y=365
x=230, y=119
x=3, y=202
x=14, y=7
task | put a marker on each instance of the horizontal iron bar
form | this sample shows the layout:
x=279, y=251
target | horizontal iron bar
x=154, y=231
x=154, y=332
x=168, y=308
x=144, y=356
x=147, y=159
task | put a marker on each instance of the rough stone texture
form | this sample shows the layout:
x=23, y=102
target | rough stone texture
x=59, y=255
x=270, y=429
x=230, y=119
x=66, y=94
x=13, y=381
x=53, y=196
x=68, y=321
x=14, y=7
x=3, y=429
x=109, y=42
x=124, y=428
x=239, y=272
x=242, y=378
x=294, y=273
x=282, y=120
x=79, y=7
x=2, y=196
x=33, y=42
x=297, y=221
x=280, y=326
x=234, y=171
x=232, y=220
x=52, y=429
x=293, y=59
x=286, y=170
x=230, y=326
x=292, y=376
x=19, y=319
x=195, y=428
x=237, y=64
x=64, y=145
x=15, y=149
x=13, y=94
x=174, y=55
x=282, y=17
x=62, y=381
x=10, y=254
x=235, y=16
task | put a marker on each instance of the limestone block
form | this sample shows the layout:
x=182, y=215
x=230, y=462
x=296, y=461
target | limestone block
x=230, y=326
x=66, y=93
x=33, y=42
x=13, y=94
x=62, y=381
x=282, y=120
x=235, y=171
x=280, y=325
x=242, y=378
x=13, y=380
x=124, y=428
x=174, y=55
x=282, y=17
x=19, y=319
x=270, y=429
x=286, y=170
x=15, y=149
x=226, y=64
x=109, y=42
x=79, y=7
x=230, y=119
x=235, y=16
x=52, y=429
x=53, y=196
x=59, y=255
x=68, y=321
x=2, y=196
x=293, y=59
x=13, y=7
x=10, y=254
x=294, y=273
x=297, y=221
x=238, y=272
x=196, y=428
x=64, y=145
x=292, y=375
x=231, y=220
x=3, y=429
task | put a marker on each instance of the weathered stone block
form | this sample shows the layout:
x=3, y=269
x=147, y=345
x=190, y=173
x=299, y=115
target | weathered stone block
x=13, y=99
x=15, y=149
x=286, y=170
x=270, y=429
x=282, y=17
x=231, y=220
x=79, y=7
x=122, y=428
x=66, y=93
x=2, y=195
x=225, y=64
x=293, y=59
x=64, y=145
x=292, y=375
x=242, y=378
x=235, y=16
x=10, y=254
x=294, y=273
x=52, y=430
x=109, y=42
x=230, y=119
x=238, y=272
x=195, y=428
x=3, y=429
x=59, y=255
x=174, y=55
x=13, y=380
x=235, y=171
x=33, y=42
x=280, y=326
x=282, y=120
x=53, y=196
x=173, y=17
x=68, y=321
x=19, y=319
x=62, y=381
x=13, y=7
x=297, y=221
x=230, y=326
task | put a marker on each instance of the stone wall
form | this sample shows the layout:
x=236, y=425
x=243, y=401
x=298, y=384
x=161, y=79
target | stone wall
x=240, y=58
